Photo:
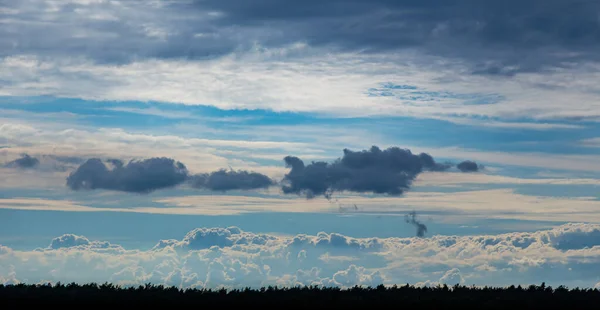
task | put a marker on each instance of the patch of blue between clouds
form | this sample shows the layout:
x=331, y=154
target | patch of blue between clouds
x=413, y=93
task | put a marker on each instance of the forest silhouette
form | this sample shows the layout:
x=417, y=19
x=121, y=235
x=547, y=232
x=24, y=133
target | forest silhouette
x=405, y=296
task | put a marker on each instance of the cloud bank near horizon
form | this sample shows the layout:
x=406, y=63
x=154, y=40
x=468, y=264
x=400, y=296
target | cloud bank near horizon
x=233, y=258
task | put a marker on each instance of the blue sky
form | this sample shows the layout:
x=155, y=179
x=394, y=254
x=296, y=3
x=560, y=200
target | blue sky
x=214, y=87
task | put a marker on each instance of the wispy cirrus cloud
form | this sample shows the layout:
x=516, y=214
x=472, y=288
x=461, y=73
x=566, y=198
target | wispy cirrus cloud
x=335, y=85
x=443, y=207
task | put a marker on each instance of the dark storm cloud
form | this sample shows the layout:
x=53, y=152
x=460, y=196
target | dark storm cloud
x=136, y=176
x=25, y=161
x=496, y=37
x=224, y=180
x=389, y=171
x=468, y=166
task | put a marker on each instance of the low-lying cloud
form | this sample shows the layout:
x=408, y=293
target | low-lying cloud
x=231, y=257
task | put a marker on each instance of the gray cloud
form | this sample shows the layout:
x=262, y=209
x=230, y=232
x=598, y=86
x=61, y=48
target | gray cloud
x=45, y=162
x=158, y=173
x=411, y=218
x=25, y=161
x=497, y=37
x=389, y=171
x=468, y=166
x=137, y=176
x=514, y=35
x=224, y=180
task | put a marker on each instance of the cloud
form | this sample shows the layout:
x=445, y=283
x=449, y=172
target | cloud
x=496, y=39
x=452, y=277
x=25, y=162
x=468, y=166
x=443, y=207
x=231, y=257
x=591, y=142
x=390, y=171
x=336, y=84
x=147, y=175
x=411, y=218
x=224, y=180
x=66, y=140
x=71, y=241
x=42, y=162
x=334, y=54
x=454, y=178
x=500, y=32
x=137, y=176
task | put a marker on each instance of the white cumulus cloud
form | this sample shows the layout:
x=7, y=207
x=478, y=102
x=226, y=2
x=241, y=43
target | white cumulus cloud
x=231, y=257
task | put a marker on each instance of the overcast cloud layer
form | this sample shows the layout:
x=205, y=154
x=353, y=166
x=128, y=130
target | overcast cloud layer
x=230, y=257
x=513, y=35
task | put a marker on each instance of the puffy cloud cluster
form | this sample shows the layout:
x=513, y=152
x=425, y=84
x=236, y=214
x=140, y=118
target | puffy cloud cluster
x=143, y=176
x=231, y=257
x=468, y=166
x=223, y=180
x=71, y=241
x=390, y=171
x=137, y=176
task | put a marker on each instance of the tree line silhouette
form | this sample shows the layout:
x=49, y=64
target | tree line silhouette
x=406, y=296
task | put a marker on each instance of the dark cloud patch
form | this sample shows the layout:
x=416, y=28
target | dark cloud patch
x=24, y=162
x=468, y=166
x=148, y=175
x=136, y=176
x=496, y=37
x=503, y=36
x=389, y=171
x=45, y=162
x=411, y=218
x=224, y=180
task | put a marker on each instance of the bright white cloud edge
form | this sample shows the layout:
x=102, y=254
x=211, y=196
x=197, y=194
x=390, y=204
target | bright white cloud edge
x=230, y=257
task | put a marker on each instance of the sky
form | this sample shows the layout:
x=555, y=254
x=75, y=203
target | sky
x=242, y=143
